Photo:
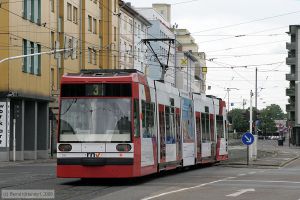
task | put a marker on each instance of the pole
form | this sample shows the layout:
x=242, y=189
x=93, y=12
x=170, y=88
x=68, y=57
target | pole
x=58, y=30
x=249, y=153
x=34, y=54
x=228, y=99
x=175, y=61
x=14, y=138
x=256, y=94
x=50, y=128
x=254, y=152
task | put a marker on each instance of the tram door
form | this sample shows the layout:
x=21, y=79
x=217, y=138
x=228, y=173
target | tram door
x=162, y=133
x=198, y=132
x=178, y=135
x=213, y=136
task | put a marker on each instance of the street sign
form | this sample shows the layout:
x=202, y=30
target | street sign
x=247, y=138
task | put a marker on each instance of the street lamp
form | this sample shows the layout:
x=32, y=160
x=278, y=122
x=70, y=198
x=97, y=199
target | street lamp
x=228, y=90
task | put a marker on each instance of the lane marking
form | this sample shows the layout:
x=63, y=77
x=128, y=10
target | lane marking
x=188, y=188
x=242, y=175
x=263, y=181
x=236, y=194
x=252, y=173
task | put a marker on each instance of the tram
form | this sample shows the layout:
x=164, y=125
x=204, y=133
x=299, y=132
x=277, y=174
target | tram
x=121, y=124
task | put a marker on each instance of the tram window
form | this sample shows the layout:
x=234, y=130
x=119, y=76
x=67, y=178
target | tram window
x=99, y=89
x=205, y=127
x=148, y=119
x=170, y=132
x=162, y=123
x=178, y=125
x=220, y=129
x=136, y=114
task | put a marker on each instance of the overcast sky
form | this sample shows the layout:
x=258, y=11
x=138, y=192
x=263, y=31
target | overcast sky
x=264, y=22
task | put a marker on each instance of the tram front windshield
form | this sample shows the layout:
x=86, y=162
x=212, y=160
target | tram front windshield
x=95, y=119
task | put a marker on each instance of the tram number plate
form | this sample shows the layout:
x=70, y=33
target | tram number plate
x=93, y=155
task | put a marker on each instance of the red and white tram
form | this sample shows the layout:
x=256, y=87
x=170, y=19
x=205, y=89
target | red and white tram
x=120, y=124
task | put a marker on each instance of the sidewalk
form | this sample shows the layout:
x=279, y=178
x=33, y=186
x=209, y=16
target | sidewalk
x=11, y=163
x=269, y=155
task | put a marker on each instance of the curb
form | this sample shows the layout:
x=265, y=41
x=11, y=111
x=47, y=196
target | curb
x=289, y=161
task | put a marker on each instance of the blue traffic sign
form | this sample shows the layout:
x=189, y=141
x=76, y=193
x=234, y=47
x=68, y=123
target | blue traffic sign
x=247, y=138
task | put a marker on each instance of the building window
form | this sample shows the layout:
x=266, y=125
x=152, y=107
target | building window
x=115, y=62
x=94, y=26
x=75, y=15
x=89, y=23
x=125, y=23
x=139, y=30
x=89, y=55
x=31, y=64
x=115, y=5
x=94, y=57
x=52, y=5
x=131, y=55
x=32, y=10
x=25, y=60
x=52, y=40
x=115, y=33
x=131, y=25
x=33, y=60
x=69, y=11
x=52, y=78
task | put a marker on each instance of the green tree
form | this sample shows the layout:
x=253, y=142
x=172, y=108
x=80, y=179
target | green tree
x=239, y=119
x=267, y=117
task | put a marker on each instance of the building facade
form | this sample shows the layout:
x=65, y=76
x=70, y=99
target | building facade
x=293, y=92
x=88, y=31
x=110, y=34
x=24, y=83
x=186, y=43
x=160, y=29
x=185, y=73
x=126, y=36
x=133, y=29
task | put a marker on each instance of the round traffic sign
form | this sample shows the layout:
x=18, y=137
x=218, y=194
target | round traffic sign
x=247, y=138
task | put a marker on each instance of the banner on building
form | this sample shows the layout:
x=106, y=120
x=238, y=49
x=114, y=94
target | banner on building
x=4, y=124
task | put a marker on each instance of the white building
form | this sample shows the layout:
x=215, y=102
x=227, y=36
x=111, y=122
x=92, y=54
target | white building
x=293, y=92
x=133, y=29
x=185, y=73
x=160, y=29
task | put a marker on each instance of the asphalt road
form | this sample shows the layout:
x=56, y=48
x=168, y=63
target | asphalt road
x=206, y=183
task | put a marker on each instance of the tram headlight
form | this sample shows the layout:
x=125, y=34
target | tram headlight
x=64, y=147
x=123, y=147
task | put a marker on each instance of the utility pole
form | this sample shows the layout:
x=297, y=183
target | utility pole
x=228, y=90
x=175, y=26
x=249, y=149
x=254, y=152
x=255, y=101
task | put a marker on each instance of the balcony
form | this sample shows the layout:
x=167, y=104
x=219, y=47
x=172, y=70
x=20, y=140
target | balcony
x=290, y=77
x=290, y=60
x=290, y=92
x=290, y=107
x=291, y=46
